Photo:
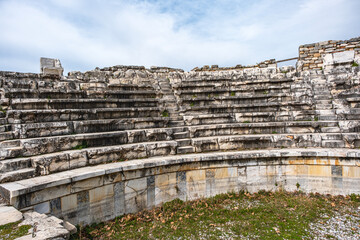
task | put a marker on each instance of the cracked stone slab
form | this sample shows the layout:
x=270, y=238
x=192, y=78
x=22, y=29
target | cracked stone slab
x=46, y=227
x=9, y=215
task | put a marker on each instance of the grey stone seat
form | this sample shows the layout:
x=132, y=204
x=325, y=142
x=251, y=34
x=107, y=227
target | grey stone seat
x=43, y=129
x=263, y=128
x=232, y=91
x=19, y=93
x=27, y=104
x=275, y=141
x=239, y=99
x=43, y=145
x=255, y=107
x=29, y=167
x=58, y=115
x=130, y=87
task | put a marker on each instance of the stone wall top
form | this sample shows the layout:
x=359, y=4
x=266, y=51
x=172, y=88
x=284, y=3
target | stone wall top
x=312, y=56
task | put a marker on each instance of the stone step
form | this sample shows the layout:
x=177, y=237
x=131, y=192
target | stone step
x=333, y=144
x=328, y=101
x=17, y=175
x=330, y=130
x=186, y=103
x=321, y=88
x=204, y=81
x=244, y=97
x=6, y=136
x=329, y=136
x=11, y=152
x=322, y=97
x=5, y=128
x=14, y=164
x=175, y=117
x=183, y=142
x=180, y=135
x=26, y=104
x=327, y=117
x=185, y=150
x=77, y=94
x=3, y=121
x=325, y=111
x=45, y=129
x=57, y=115
x=322, y=93
x=206, y=91
x=130, y=87
x=259, y=128
x=255, y=107
x=268, y=141
x=323, y=106
x=43, y=145
x=50, y=163
x=176, y=123
x=180, y=129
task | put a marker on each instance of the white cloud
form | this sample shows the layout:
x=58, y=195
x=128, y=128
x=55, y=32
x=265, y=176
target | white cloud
x=185, y=34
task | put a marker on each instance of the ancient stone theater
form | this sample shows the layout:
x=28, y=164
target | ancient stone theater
x=94, y=145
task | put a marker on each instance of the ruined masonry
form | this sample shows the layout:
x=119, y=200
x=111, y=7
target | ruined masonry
x=92, y=146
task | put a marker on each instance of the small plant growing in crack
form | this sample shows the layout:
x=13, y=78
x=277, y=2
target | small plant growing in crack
x=165, y=113
x=81, y=146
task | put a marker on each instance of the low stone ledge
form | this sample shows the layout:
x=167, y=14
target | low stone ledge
x=56, y=179
x=102, y=192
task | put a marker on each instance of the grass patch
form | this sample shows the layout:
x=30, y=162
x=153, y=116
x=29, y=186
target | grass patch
x=355, y=64
x=246, y=121
x=81, y=146
x=165, y=113
x=263, y=215
x=232, y=94
x=2, y=110
x=316, y=119
x=192, y=104
x=12, y=230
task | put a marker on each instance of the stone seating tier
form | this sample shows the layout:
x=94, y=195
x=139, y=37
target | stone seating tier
x=26, y=104
x=57, y=115
x=76, y=94
x=99, y=193
x=95, y=145
x=65, y=158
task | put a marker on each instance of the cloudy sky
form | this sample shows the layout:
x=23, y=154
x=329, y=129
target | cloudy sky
x=85, y=34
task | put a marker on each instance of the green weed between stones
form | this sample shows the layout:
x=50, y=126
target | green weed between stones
x=165, y=114
x=81, y=146
x=263, y=215
x=12, y=230
x=355, y=64
x=2, y=110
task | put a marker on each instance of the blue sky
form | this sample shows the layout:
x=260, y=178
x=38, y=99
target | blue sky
x=85, y=34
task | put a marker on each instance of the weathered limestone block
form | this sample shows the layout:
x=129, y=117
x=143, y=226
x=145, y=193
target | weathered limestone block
x=45, y=227
x=9, y=214
x=49, y=66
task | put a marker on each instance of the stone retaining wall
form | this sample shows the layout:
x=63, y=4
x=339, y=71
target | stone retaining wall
x=100, y=193
x=311, y=56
